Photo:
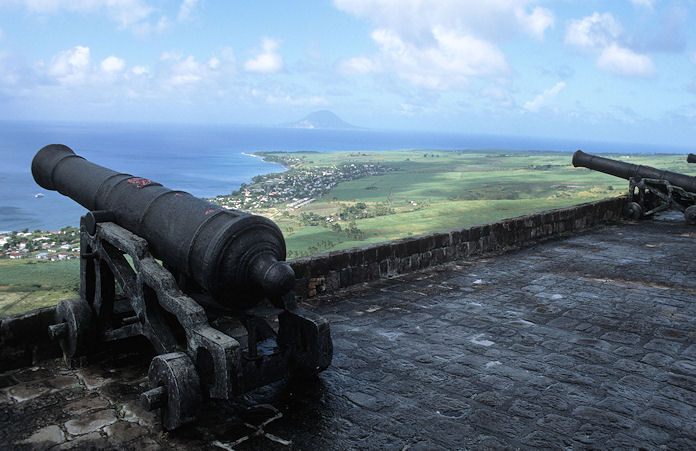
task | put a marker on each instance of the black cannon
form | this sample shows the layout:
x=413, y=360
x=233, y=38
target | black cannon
x=691, y=158
x=219, y=310
x=650, y=190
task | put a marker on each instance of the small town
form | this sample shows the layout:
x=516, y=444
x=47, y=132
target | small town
x=41, y=245
x=296, y=186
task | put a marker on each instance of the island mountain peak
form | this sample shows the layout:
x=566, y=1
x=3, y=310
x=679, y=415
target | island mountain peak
x=323, y=119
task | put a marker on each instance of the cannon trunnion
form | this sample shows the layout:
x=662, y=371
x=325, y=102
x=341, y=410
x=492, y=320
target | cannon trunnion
x=219, y=311
x=650, y=190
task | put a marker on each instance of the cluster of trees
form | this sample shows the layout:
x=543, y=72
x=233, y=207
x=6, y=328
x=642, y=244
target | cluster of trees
x=318, y=247
x=361, y=211
x=350, y=230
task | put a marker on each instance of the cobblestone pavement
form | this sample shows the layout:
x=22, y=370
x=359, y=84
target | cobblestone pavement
x=586, y=342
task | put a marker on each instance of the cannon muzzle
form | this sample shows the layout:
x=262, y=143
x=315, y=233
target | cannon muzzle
x=691, y=158
x=635, y=171
x=238, y=258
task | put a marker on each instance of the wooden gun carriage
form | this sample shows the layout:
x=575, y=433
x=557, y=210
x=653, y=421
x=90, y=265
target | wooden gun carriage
x=219, y=310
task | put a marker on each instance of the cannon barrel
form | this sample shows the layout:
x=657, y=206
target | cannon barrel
x=628, y=170
x=238, y=258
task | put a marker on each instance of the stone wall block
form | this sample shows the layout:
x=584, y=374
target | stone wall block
x=400, y=248
x=474, y=233
x=338, y=260
x=413, y=246
x=346, y=277
x=373, y=271
x=426, y=243
x=301, y=267
x=385, y=251
x=357, y=257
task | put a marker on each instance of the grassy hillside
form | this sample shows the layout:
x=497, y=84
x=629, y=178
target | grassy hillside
x=430, y=191
x=28, y=284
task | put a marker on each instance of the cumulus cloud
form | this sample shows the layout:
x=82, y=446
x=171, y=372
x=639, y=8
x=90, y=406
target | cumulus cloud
x=177, y=71
x=602, y=35
x=113, y=65
x=268, y=61
x=442, y=44
x=186, y=9
x=135, y=15
x=71, y=66
x=140, y=70
x=623, y=61
x=536, y=22
x=443, y=65
x=593, y=32
x=488, y=20
x=544, y=99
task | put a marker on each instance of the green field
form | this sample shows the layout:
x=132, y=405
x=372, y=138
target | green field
x=431, y=191
x=28, y=284
x=427, y=191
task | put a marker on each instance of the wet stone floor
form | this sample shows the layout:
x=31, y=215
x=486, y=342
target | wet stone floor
x=584, y=342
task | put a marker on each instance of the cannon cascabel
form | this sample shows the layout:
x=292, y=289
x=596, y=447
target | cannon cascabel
x=238, y=258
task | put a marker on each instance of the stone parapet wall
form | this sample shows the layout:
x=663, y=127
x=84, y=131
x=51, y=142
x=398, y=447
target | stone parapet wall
x=332, y=271
x=24, y=337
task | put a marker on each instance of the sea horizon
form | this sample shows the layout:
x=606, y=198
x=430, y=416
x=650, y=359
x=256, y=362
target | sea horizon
x=213, y=159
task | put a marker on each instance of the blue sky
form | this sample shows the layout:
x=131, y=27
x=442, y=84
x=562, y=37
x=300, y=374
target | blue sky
x=622, y=70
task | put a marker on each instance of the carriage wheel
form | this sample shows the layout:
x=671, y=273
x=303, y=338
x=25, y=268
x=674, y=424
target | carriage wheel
x=690, y=214
x=174, y=389
x=74, y=328
x=632, y=210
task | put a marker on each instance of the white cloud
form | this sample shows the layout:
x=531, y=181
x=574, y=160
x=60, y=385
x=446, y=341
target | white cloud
x=135, y=15
x=489, y=19
x=442, y=44
x=446, y=63
x=544, y=99
x=646, y=3
x=185, y=71
x=296, y=101
x=601, y=34
x=593, y=32
x=213, y=63
x=71, y=66
x=268, y=61
x=537, y=22
x=140, y=70
x=113, y=65
x=74, y=68
x=187, y=7
x=179, y=71
x=358, y=65
x=623, y=61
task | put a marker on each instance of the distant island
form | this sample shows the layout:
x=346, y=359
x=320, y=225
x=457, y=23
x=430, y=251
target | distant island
x=323, y=120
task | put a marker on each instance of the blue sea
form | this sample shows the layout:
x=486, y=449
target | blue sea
x=207, y=160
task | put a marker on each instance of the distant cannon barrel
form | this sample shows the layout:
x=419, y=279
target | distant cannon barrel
x=691, y=158
x=628, y=170
x=237, y=257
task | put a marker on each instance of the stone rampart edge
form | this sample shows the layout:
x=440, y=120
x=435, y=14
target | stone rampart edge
x=24, y=337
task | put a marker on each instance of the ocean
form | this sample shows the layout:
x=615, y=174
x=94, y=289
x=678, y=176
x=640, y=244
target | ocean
x=207, y=160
